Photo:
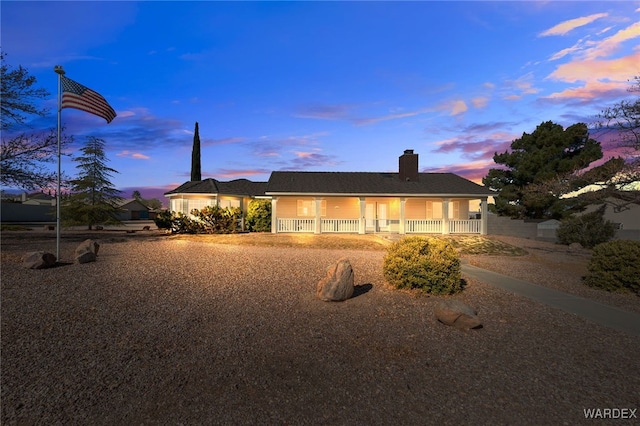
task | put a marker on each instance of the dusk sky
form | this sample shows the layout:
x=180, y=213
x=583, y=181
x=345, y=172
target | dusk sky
x=321, y=86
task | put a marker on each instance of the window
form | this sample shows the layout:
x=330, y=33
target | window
x=308, y=207
x=229, y=203
x=434, y=210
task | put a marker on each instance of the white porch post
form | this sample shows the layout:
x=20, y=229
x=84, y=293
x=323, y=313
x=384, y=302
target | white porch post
x=361, y=227
x=484, y=211
x=274, y=215
x=445, y=216
x=318, y=228
x=401, y=229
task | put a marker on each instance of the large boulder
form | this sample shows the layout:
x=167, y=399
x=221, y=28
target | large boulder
x=87, y=251
x=337, y=285
x=457, y=314
x=39, y=260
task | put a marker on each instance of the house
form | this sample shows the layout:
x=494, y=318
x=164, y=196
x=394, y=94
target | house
x=626, y=218
x=132, y=209
x=363, y=202
x=211, y=192
x=38, y=199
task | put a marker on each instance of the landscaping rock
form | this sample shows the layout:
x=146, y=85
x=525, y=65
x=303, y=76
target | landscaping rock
x=39, y=260
x=87, y=251
x=457, y=314
x=337, y=285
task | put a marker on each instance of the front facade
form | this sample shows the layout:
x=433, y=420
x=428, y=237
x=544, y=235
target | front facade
x=407, y=202
x=356, y=202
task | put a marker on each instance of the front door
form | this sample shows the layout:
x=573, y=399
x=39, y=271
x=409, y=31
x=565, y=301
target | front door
x=376, y=217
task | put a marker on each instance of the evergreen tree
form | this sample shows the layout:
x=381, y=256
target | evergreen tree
x=549, y=153
x=93, y=199
x=196, y=173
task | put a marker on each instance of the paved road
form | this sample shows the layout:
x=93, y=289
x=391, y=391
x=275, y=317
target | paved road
x=593, y=311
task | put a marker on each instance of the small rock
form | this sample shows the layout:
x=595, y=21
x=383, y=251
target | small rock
x=39, y=260
x=146, y=228
x=457, y=314
x=87, y=251
x=337, y=285
x=575, y=247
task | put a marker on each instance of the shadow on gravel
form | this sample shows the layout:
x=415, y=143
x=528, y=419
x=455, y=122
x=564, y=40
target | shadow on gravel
x=361, y=289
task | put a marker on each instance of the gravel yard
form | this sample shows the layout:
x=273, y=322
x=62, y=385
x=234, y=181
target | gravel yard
x=178, y=331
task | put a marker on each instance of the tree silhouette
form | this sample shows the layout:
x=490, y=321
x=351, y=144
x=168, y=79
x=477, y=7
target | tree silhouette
x=196, y=173
x=93, y=199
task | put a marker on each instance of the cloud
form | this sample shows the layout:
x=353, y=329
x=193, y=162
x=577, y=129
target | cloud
x=130, y=154
x=474, y=170
x=373, y=120
x=612, y=44
x=323, y=112
x=480, y=102
x=598, y=76
x=519, y=87
x=223, y=141
x=237, y=173
x=565, y=27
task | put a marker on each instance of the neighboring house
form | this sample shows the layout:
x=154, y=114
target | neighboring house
x=363, y=202
x=627, y=219
x=211, y=192
x=132, y=209
x=38, y=199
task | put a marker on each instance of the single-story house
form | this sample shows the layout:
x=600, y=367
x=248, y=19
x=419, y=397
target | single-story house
x=365, y=202
x=352, y=202
x=132, y=209
x=211, y=192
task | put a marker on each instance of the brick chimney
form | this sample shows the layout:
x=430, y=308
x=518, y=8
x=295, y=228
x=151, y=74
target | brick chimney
x=409, y=166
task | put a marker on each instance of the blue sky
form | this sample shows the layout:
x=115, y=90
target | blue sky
x=321, y=86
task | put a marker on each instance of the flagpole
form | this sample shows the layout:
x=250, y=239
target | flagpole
x=58, y=69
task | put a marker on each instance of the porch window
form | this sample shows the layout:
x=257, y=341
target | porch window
x=434, y=210
x=308, y=208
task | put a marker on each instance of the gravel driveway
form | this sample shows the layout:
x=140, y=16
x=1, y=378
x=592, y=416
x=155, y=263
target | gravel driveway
x=162, y=331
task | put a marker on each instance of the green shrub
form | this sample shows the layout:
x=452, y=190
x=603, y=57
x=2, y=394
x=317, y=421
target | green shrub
x=589, y=229
x=216, y=220
x=615, y=266
x=429, y=264
x=163, y=219
x=259, y=216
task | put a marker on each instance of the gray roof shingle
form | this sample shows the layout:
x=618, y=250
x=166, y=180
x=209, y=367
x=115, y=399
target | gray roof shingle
x=213, y=186
x=367, y=183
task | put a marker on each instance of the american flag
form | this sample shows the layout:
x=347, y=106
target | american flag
x=75, y=95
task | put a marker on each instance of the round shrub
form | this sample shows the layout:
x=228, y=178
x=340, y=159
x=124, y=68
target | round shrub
x=589, y=229
x=428, y=264
x=615, y=266
x=259, y=216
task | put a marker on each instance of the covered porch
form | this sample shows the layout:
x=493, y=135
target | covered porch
x=363, y=215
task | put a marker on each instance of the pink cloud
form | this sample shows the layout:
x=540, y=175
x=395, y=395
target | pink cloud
x=612, y=44
x=238, y=173
x=130, y=154
x=565, y=27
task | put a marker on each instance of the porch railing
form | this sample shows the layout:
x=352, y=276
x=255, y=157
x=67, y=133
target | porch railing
x=296, y=225
x=423, y=226
x=471, y=226
x=340, y=225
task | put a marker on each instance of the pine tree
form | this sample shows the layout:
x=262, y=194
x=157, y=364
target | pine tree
x=196, y=173
x=93, y=199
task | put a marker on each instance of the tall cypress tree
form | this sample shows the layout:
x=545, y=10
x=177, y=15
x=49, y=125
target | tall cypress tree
x=196, y=173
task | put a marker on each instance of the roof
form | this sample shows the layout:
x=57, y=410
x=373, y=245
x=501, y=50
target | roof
x=213, y=186
x=126, y=201
x=367, y=183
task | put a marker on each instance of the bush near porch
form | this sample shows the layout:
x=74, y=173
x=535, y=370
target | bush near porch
x=428, y=264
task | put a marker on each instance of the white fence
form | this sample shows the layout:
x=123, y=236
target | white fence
x=296, y=225
x=471, y=226
x=424, y=226
x=420, y=226
x=340, y=225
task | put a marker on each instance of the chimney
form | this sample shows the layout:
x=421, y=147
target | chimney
x=409, y=166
